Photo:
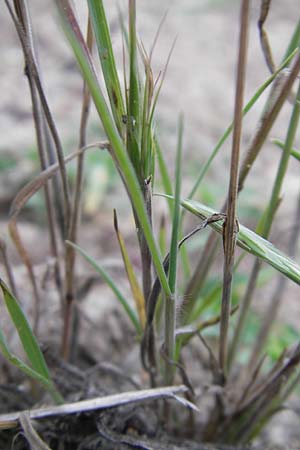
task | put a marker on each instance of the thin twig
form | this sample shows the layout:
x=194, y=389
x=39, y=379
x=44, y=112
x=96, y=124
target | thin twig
x=22, y=11
x=30, y=433
x=69, y=328
x=267, y=224
x=266, y=123
x=10, y=420
x=8, y=268
x=264, y=41
x=30, y=61
x=276, y=300
x=231, y=227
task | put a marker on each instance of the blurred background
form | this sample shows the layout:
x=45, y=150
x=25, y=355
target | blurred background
x=199, y=82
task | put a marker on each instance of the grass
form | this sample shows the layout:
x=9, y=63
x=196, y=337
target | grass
x=212, y=305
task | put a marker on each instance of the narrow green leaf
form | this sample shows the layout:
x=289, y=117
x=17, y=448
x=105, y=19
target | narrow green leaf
x=39, y=370
x=167, y=185
x=107, y=59
x=133, y=119
x=146, y=124
x=295, y=153
x=170, y=302
x=249, y=241
x=134, y=92
x=25, y=333
x=83, y=59
x=134, y=284
x=227, y=132
x=176, y=212
x=165, y=177
x=283, y=165
x=130, y=312
x=294, y=42
x=17, y=362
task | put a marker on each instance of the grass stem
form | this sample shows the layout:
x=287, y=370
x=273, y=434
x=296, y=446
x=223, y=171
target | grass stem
x=170, y=301
x=230, y=231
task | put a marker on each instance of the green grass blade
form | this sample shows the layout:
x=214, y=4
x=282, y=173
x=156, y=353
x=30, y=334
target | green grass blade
x=282, y=168
x=165, y=177
x=39, y=370
x=109, y=281
x=167, y=185
x=170, y=302
x=136, y=290
x=246, y=109
x=176, y=212
x=25, y=333
x=294, y=42
x=295, y=153
x=146, y=124
x=250, y=242
x=77, y=43
x=134, y=90
x=134, y=110
x=46, y=383
x=107, y=59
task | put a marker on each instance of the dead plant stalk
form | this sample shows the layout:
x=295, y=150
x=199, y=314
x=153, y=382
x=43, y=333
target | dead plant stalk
x=230, y=231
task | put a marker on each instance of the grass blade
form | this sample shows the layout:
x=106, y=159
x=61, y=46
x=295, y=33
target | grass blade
x=70, y=319
x=39, y=370
x=278, y=96
x=23, y=328
x=134, y=284
x=230, y=230
x=167, y=185
x=133, y=118
x=165, y=177
x=246, y=109
x=294, y=42
x=147, y=141
x=130, y=312
x=249, y=241
x=107, y=59
x=267, y=221
x=120, y=155
x=33, y=68
x=295, y=153
x=171, y=300
x=176, y=212
x=17, y=362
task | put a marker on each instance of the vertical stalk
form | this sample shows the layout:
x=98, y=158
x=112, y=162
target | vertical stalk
x=70, y=327
x=271, y=211
x=269, y=217
x=230, y=230
x=199, y=275
x=275, y=101
x=133, y=119
x=22, y=13
x=8, y=268
x=33, y=67
x=145, y=252
x=170, y=301
x=134, y=126
x=120, y=156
